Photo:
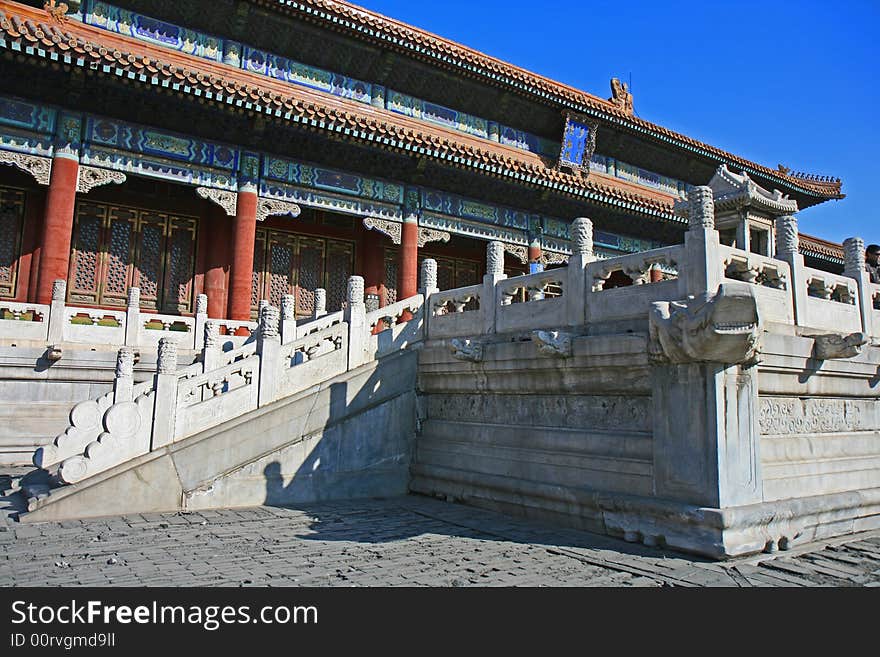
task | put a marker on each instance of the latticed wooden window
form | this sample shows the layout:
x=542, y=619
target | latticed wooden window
x=117, y=247
x=285, y=263
x=11, y=228
x=391, y=270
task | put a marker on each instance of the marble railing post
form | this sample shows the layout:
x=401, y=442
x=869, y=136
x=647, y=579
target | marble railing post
x=133, y=317
x=269, y=348
x=320, y=303
x=124, y=379
x=165, y=408
x=212, y=352
x=356, y=317
x=576, y=288
x=494, y=274
x=288, y=318
x=702, y=271
x=201, y=317
x=787, y=243
x=854, y=267
x=56, y=312
x=427, y=287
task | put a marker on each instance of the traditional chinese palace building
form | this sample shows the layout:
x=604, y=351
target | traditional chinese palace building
x=248, y=149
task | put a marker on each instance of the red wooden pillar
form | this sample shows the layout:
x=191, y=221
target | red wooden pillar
x=57, y=224
x=216, y=261
x=242, y=270
x=408, y=266
x=534, y=256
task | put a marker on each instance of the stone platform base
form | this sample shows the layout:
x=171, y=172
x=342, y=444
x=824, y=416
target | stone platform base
x=716, y=533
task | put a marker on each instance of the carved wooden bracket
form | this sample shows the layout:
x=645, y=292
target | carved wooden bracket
x=91, y=177
x=519, y=252
x=430, y=235
x=39, y=167
x=550, y=258
x=222, y=197
x=392, y=229
x=272, y=208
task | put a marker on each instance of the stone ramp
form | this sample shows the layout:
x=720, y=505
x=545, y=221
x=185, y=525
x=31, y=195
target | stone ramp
x=349, y=436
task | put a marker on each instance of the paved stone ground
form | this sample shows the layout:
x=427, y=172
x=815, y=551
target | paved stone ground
x=404, y=541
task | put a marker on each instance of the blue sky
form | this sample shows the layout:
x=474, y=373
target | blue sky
x=775, y=82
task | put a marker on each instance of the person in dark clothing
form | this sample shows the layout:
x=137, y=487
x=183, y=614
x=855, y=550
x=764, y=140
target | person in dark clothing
x=872, y=262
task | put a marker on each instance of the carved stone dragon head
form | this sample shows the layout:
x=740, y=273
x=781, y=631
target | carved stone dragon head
x=724, y=327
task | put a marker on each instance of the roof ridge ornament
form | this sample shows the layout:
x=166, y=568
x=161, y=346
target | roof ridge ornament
x=621, y=97
x=58, y=11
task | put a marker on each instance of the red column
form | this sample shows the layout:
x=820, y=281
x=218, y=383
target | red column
x=57, y=225
x=242, y=270
x=216, y=261
x=535, y=257
x=408, y=268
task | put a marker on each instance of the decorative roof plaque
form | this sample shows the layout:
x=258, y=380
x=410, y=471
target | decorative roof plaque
x=578, y=143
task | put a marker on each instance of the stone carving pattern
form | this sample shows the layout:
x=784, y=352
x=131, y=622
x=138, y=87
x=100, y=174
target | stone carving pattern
x=288, y=307
x=125, y=363
x=355, y=294
x=430, y=235
x=429, y=274
x=552, y=343
x=832, y=345
x=854, y=255
x=167, y=358
x=134, y=297
x=582, y=236
x=90, y=177
x=269, y=317
x=701, y=208
x=782, y=416
x=224, y=198
x=39, y=167
x=212, y=335
x=786, y=235
x=495, y=258
x=602, y=412
x=202, y=304
x=467, y=350
x=320, y=300
x=59, y=290
x=272, y=208
x=392, y=229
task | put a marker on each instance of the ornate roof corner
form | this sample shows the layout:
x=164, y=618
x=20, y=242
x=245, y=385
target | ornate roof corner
x=737, y=190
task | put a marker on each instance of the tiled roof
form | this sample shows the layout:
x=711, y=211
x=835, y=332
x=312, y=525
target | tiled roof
x=33, y=32
x=338, y=15
x=824, y=249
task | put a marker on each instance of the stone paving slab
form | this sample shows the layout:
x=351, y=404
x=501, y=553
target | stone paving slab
x=403, y=541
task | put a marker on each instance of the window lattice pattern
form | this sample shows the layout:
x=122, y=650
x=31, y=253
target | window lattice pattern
x=311, y=270
x=340, y=256
x=118, y=256
x=85, y=259
x=150, y=263
x=279, y=284
x=11, y=225
x=390, y=277
x=117, y=247
x=180, y=266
